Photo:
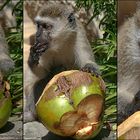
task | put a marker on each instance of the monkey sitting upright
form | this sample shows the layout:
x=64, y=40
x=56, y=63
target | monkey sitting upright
x=129, y=67
x=60, y=41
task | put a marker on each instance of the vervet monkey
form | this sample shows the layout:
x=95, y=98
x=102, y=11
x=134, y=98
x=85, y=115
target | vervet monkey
x=6, y=21
x=84, y=15
x=60, y=41
x=129, y=67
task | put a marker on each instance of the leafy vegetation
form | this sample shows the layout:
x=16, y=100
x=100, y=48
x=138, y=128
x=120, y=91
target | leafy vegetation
x=14, y=39
x=105, y=49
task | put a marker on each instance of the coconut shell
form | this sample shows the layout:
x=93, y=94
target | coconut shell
x=72, y=104
x=5, y=103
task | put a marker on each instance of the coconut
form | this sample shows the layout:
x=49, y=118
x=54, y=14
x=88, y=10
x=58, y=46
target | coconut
x=5, y=102
x=72, y=104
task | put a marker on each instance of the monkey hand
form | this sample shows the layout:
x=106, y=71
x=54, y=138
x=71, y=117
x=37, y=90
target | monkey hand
x=36, y=51
x=90, y=68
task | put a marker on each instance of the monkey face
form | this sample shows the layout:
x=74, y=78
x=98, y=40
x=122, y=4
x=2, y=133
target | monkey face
x=55, y=27
x=55, y=23
x=43, y=31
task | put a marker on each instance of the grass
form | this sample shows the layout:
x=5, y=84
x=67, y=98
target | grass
x=105, y=50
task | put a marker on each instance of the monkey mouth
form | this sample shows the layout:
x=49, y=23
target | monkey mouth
x=38, y=49
x=40, y=46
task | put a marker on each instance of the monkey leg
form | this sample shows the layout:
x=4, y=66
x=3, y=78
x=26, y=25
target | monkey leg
x=32, y=76
x=125, y=100
x=29, y=104
x=128, y=97
x=30, y=80
x=29, y=100
x=136, y=102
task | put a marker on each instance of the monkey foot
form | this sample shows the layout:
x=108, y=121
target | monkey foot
x=90, y=68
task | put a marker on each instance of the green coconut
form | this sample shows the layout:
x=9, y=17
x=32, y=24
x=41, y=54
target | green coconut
x=72, y=104
x=5, y=103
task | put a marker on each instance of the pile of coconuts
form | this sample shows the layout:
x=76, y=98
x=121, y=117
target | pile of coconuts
x=72, y=104
x=5, y=102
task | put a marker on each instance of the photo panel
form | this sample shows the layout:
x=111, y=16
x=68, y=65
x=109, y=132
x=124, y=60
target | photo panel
x=11, y=69
x=128, y=46
x=70, y=69
x=58, y=69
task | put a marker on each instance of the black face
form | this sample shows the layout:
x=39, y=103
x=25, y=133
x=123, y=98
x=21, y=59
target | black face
x=42, y=24
x=71, y=20
x=41, y=42
x=43, y=31
x=39, y=30
x=45, y=26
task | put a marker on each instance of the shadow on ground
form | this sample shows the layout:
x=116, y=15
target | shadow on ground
x=12, y=129
x=9, y=126
x=104, y=134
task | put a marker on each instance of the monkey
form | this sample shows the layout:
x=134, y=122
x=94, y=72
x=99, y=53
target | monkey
x=60, y=40
x=92, y=28
x=6, y=63
x=129, y=67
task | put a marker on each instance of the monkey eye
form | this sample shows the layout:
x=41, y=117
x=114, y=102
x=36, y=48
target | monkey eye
x=47, y=26
x=71, y=20
x=44, y=25
x=38, y=25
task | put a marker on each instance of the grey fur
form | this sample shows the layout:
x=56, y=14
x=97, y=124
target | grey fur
x=6, y=63
x=69, y=47
x=128, y=66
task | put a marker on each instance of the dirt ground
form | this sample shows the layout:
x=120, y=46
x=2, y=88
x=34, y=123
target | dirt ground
x=12, y=130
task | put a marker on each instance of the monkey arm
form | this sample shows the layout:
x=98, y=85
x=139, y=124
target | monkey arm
x=85, y=59
x=35, y=52
x=83, y=52
x=6, y=63
x=40, y=45
x=36, y=68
